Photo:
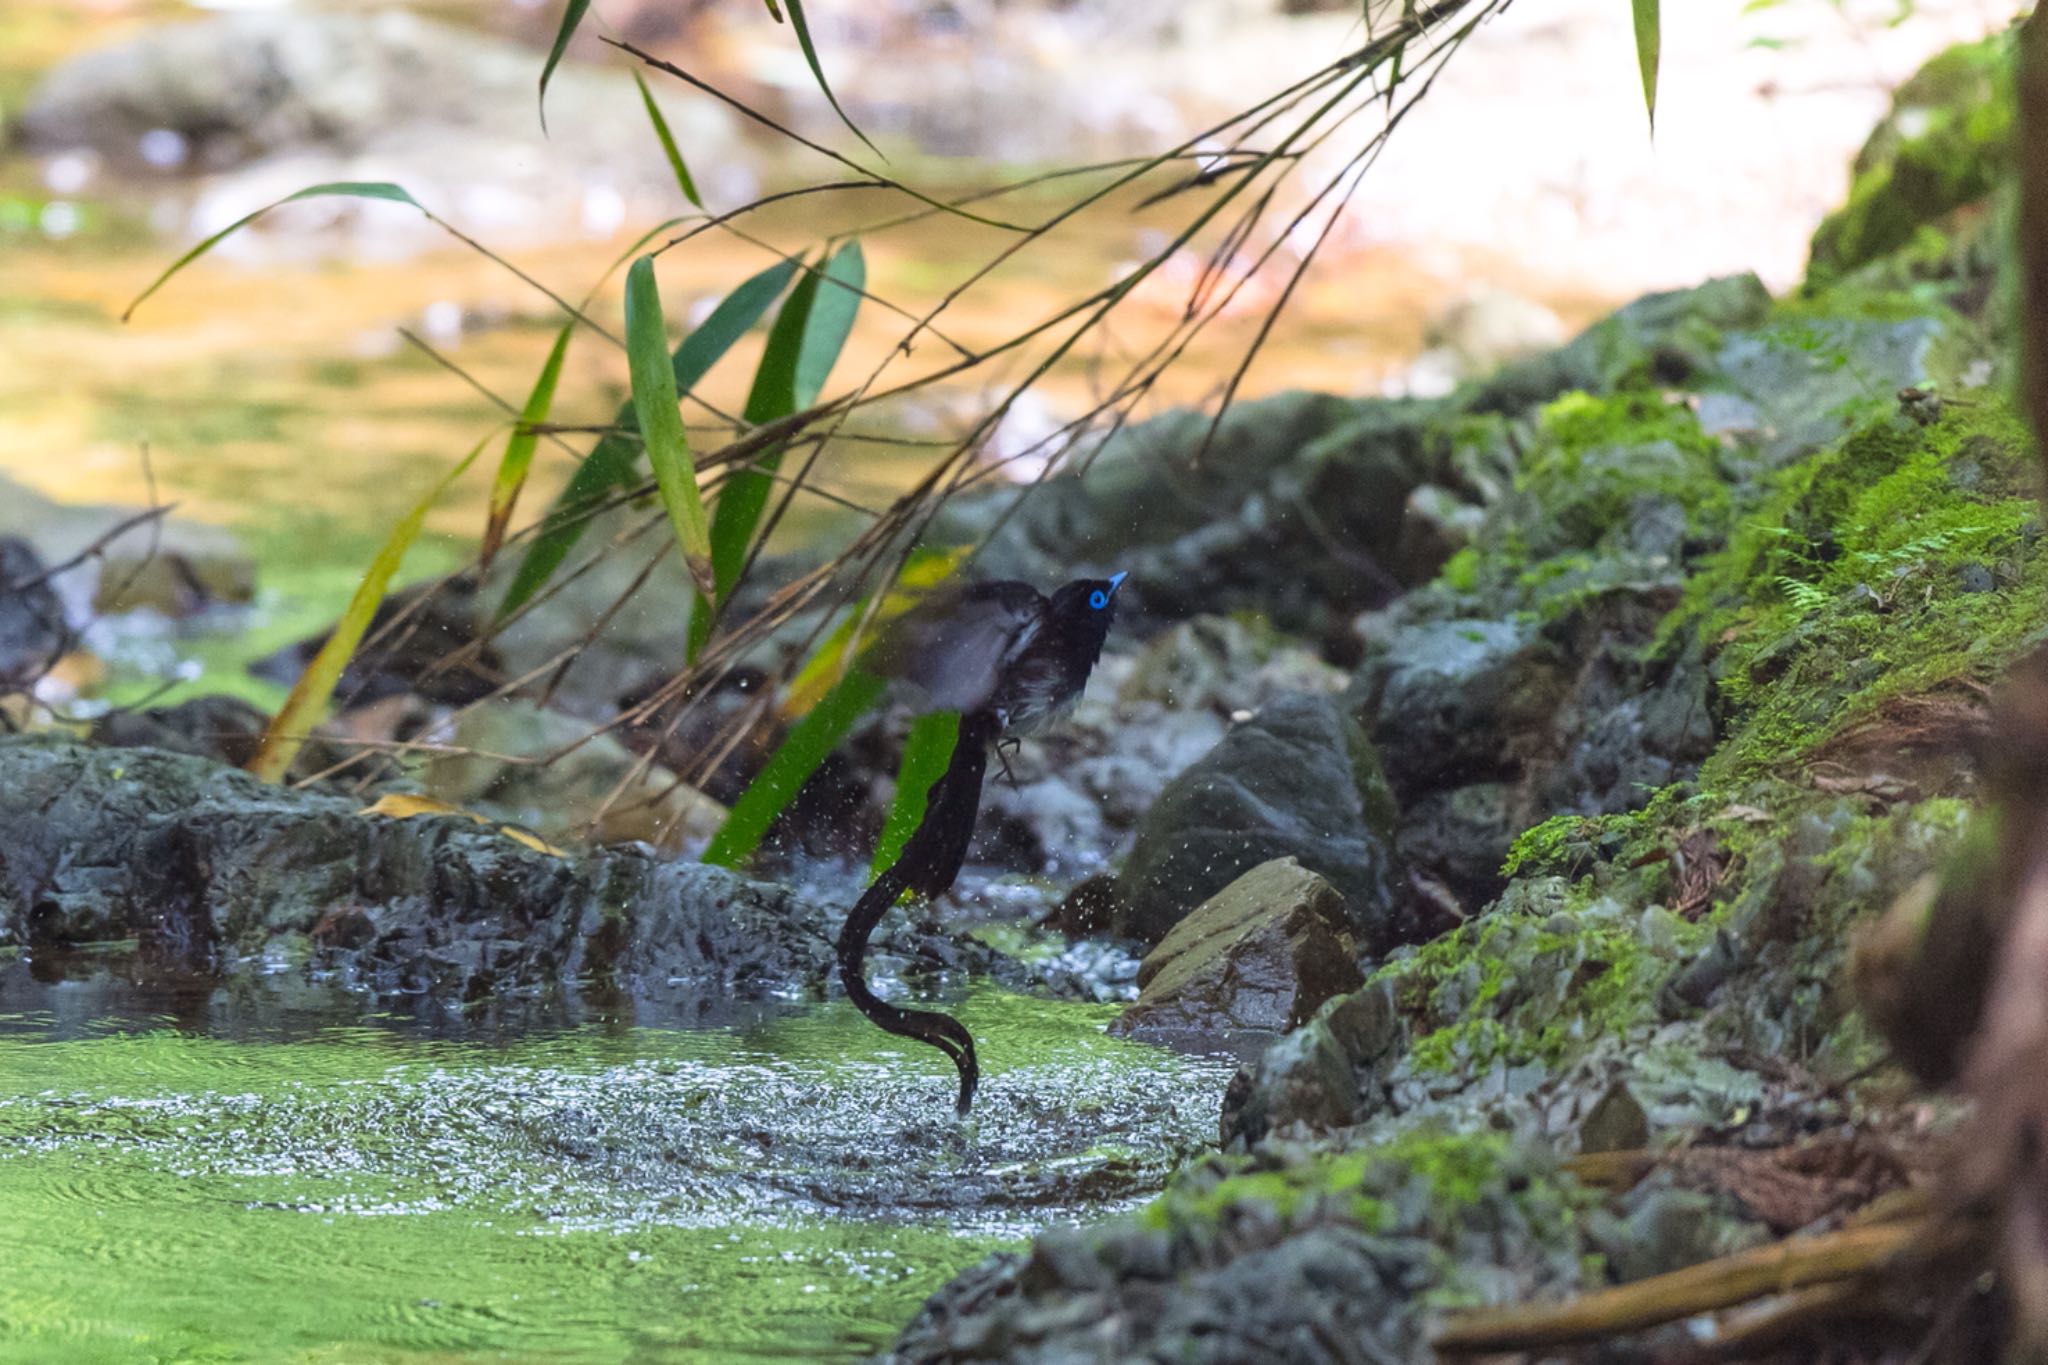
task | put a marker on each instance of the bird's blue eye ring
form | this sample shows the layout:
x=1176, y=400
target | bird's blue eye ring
x=1098, y=599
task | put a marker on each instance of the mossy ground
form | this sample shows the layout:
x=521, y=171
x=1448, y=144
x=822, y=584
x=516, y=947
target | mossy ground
x=1438, y=1191
x=1826, y=588
x=1944, y=145
x=1903, y=561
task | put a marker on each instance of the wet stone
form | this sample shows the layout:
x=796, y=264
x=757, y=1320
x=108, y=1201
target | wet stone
x=1300, y=780
x=218, y=871
x=1330, y=1074
x=1263, y=953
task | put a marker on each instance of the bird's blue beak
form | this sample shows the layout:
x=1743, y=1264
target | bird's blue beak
x=1116, y=581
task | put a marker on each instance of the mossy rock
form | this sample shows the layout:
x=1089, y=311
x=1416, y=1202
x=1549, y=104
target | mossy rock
x=1901, y=564
x=1945, y=143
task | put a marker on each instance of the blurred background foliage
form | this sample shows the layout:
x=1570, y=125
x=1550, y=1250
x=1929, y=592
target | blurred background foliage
x=311, y=378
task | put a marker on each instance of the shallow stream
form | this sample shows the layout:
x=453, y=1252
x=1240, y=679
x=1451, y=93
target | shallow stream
x=234, y=1174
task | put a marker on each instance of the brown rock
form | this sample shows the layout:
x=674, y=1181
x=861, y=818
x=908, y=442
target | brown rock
x=1263, y=953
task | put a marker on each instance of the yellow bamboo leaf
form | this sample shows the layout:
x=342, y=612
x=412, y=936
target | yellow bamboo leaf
x=406, y=805
x=315, y=688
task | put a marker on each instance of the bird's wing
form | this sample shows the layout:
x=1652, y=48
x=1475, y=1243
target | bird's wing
x=956, y=642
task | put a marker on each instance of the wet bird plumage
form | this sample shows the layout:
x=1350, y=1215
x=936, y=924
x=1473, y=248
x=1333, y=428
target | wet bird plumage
x=1013, y=662
x=1003, y=647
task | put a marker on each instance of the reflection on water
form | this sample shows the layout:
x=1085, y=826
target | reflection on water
x=284, y=1186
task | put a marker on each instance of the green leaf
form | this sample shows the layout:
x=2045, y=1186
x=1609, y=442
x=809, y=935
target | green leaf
x=775, y=11
x=803, y=39
x=1647, y=40
x=927, y=749
x=572, y=15
x=661, y=425
x=831, y=322
x=809, y=742
x=805, y=342
x=286, y=732
x=729, y=321
x=352, y=189
x=668, y=144
x=612, y=461
x=519, y=449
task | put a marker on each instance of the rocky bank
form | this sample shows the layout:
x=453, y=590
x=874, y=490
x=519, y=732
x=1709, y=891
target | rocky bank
x=1672, y=662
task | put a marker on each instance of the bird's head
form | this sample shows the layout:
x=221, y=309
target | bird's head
x=1085, y=607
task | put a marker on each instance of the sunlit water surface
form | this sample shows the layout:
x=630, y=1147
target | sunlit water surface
x=788, y=1190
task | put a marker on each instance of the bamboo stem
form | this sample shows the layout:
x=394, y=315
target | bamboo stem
x=1780, y=1268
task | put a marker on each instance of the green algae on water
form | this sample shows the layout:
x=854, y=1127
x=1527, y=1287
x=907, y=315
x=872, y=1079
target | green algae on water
x=785, y=1191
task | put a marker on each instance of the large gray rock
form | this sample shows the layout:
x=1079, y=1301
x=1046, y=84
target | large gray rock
x=209, y=868
x=1293, y=510
x=1331, y=1073
x=1665, y=338
x=1263, y=953
x=1298, y=506
x=1452, y=701
x=1299, y=1260
x=1488, y=726
x=1299, y=779
x=1808, y=382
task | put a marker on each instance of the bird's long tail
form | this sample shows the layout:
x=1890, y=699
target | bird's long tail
x=928, y=865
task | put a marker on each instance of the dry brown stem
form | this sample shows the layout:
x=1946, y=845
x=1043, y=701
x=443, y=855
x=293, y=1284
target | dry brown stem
x=1852, y=1253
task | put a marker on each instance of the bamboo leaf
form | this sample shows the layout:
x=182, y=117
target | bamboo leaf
x=806, y=746
x=1648, y=40
x=668, y=144
x=661, y=425
x=805, y=342
x=831, y=322
x=520, y=447
x=612, y=461
x=927, y=749
x=315, y=687
x=572, y=15
x=803, y=39
x=352, y=189
x=729, y=321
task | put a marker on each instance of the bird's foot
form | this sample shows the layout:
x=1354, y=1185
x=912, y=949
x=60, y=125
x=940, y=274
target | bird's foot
x=1004, y=748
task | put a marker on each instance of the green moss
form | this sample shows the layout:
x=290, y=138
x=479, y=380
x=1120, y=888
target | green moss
x=1575, y=423
x=1561, y=844
x=1895, y=562
x=1331, y=1182
x=1457, y=1167
x=1456, y=1171
x=1595, y=457
x=1944, y=145
x=1548, y=968
x=1460, y=572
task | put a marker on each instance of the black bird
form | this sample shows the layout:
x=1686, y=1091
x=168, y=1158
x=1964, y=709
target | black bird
x=1003, y=647
x=1012, y=662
